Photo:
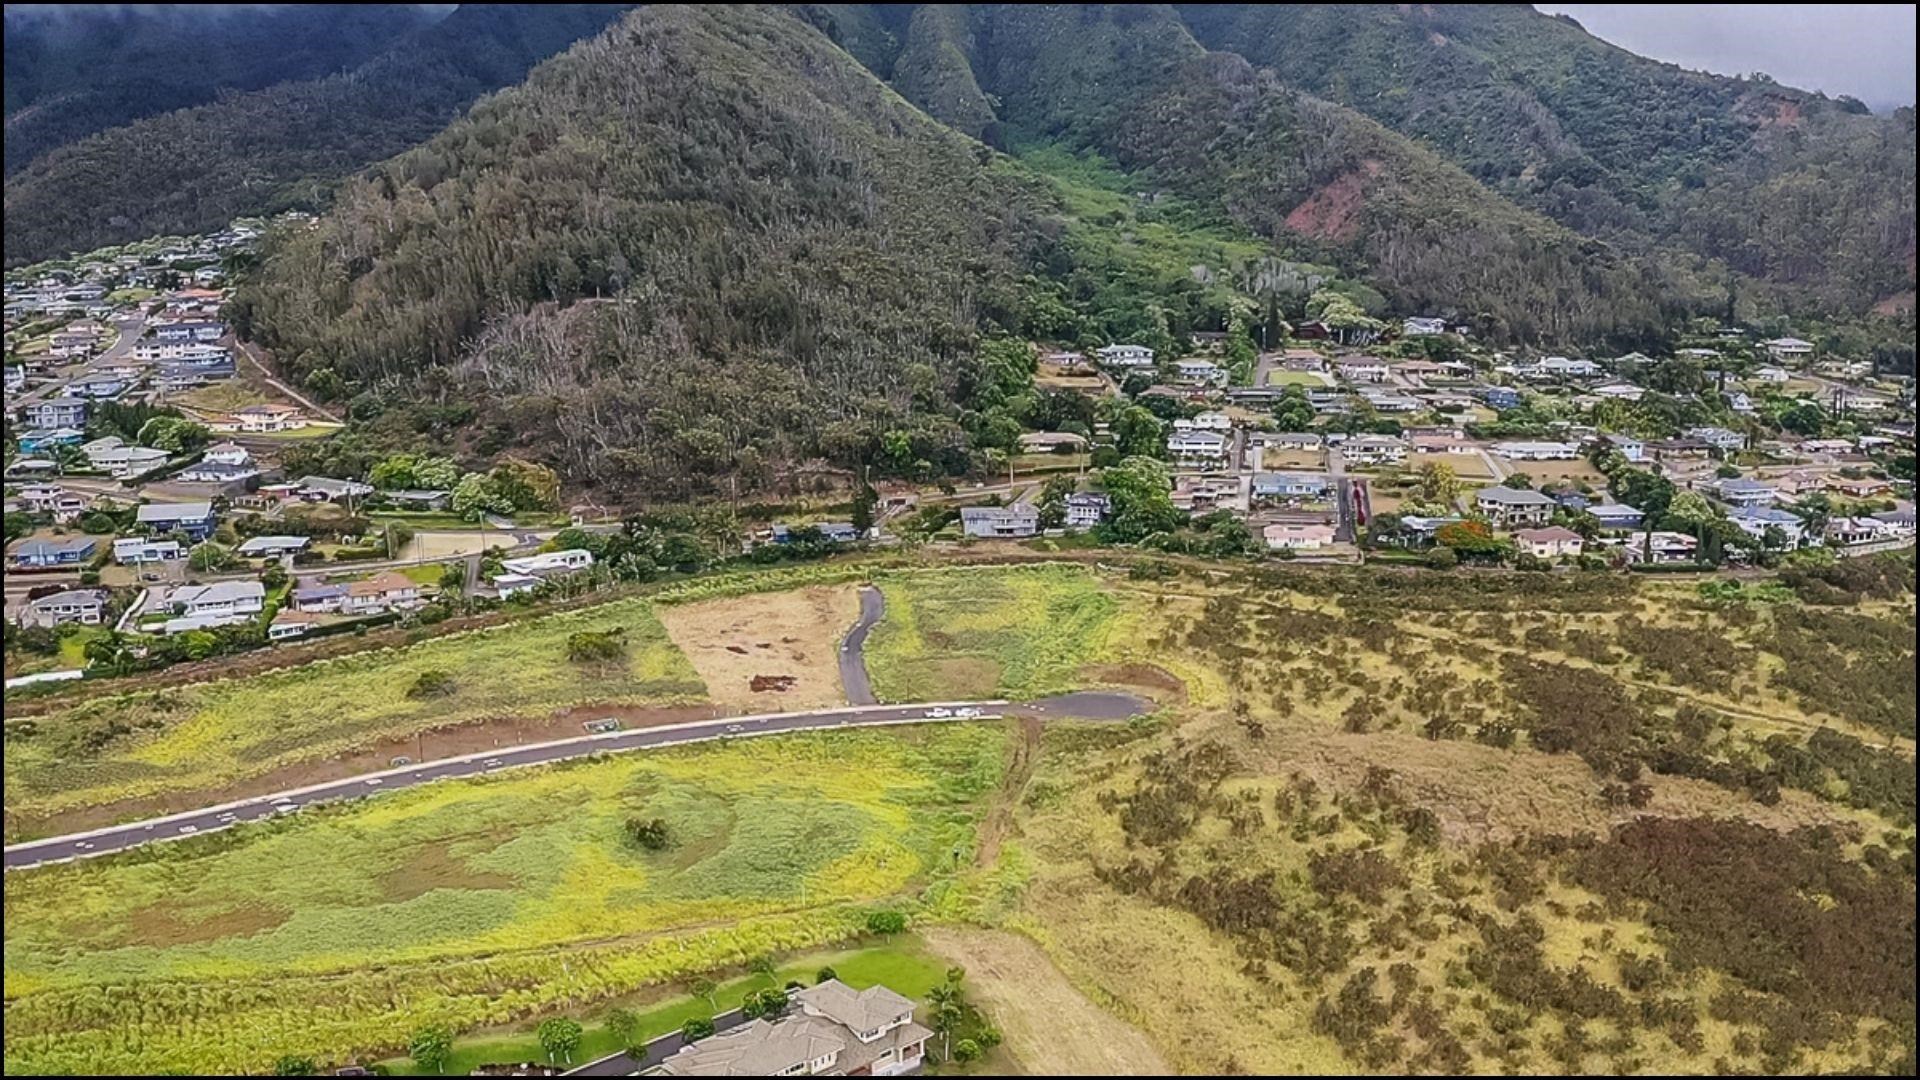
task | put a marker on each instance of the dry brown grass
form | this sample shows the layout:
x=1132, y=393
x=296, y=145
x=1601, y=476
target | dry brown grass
x=732, y=639
x=1050, y=1028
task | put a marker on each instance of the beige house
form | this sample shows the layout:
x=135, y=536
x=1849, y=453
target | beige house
x=830, y=1030
x=1552, y=542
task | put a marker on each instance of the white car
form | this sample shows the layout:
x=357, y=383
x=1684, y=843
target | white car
x=375, y=782
x=284, y=808
x=968, y=711
x=733, y=727
x=82, y=845
x=939, y=714
x=189, y=828
x=490, y=763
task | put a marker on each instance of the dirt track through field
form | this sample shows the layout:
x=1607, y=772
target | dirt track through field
x=1049, y=1026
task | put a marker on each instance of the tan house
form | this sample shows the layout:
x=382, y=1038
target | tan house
x=830, y=1030
x=1552, y=542
x=381, y=592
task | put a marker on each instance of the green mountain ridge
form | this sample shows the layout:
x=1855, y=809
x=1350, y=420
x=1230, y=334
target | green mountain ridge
x=1788, y=187
x=796, y=259
x=282, y=147
x=1318, y=179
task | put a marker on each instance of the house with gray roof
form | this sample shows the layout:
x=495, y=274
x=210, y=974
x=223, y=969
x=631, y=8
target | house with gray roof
x=1000, y=522
x=830, y=1029
x=1513, y=507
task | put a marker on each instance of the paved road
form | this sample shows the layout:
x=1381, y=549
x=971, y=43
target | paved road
x=853, y=656
x=1094, y=706
x=655, y=1052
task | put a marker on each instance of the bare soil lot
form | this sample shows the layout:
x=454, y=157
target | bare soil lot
x=789, y=642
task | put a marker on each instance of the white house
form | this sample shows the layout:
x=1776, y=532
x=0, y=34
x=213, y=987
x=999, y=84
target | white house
x=1194, y=447
x=548, y=561
x=137, y=550
x=1126, y=356
x=220, y=599
x=1788, y=348
x=1537, y=451
x=1374, y=450
x=1203, y=372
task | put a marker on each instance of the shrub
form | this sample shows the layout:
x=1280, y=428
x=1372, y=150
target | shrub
x=431, y=684
x=597, y=646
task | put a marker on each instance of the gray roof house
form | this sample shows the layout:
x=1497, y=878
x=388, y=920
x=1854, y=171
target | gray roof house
x=831, y=1029
x=1020, y=519
x=1514, y=506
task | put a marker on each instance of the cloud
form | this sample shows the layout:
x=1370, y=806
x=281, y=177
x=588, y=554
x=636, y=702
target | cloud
x=1865, y=50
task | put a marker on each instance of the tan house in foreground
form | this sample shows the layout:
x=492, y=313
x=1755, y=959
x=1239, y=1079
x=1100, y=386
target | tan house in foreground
x=830, y=1030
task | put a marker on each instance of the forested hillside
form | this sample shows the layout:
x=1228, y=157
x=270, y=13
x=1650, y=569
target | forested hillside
x=72, y=70
x=281, y=147
x=1784, y=185
x=1318, y=180
x=797, y=261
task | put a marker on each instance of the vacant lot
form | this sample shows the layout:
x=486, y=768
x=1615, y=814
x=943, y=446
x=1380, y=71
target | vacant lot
x=986, y=632
x=1049, y=1026
x=1273, y=459
x=767, y=652
x=194, y=740
x=454, y=901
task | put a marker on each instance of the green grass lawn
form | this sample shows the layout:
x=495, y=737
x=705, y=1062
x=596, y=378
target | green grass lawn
x=424, y=573
x=903, y=965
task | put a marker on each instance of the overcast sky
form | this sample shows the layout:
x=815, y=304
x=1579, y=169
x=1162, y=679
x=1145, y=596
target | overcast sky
x=1865, y=50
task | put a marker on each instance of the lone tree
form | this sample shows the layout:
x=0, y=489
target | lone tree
x=559, y=1037
x=886, y=923
x=622, y=1024
x=704, y=988
x=430, y=1047
x=597, y=646
x=650, y=834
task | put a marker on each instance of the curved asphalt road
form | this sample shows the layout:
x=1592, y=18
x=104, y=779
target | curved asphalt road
x=853, y=655
x=1090, y=705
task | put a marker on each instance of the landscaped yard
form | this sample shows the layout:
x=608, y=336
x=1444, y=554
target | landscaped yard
x=476, y=902
x=903, y=965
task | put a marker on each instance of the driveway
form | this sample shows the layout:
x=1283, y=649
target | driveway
x=853, y=648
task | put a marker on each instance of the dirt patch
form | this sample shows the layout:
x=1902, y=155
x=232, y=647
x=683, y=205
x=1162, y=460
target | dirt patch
x=1895, y=304
x=434, y=867
x=163, y=926
x=1013, y=785
x=768, y=649
x=1333, y=212
x=1050, y=1028
x=1158, y=684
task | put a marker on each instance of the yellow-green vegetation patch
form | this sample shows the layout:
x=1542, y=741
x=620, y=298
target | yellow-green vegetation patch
x=988, y=631
x=129, y=746
x=474, y=902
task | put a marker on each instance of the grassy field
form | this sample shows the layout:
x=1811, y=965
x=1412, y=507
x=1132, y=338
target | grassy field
x=972, y=633
x=1335, y=849
x=350, y=927
x=195, y=740
x=1284, y=377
